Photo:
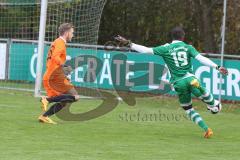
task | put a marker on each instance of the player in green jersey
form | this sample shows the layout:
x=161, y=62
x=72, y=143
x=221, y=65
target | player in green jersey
x=178, y=57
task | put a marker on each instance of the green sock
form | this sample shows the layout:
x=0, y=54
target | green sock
x=196, y=118
x=204, y=95
x=208, y=99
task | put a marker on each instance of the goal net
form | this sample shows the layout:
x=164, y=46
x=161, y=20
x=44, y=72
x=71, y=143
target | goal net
x=19, y=31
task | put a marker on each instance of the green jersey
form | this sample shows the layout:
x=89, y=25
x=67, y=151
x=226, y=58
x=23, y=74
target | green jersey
x=177, y=55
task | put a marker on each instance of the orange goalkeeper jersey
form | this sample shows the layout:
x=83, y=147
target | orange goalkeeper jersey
x=56, y=57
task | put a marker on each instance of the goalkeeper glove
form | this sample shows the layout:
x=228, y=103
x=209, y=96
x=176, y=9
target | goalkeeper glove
x=67, y=69
x=123, y=40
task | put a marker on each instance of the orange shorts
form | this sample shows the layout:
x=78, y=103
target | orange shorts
x=56, y=87
x=55, y=82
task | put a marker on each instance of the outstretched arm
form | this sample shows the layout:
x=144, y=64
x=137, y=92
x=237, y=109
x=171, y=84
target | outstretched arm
x=133, y=46
x=141, y=49
x=206, y=61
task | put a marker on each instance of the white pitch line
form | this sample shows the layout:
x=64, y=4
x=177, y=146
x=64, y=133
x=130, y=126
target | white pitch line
x=8, y=106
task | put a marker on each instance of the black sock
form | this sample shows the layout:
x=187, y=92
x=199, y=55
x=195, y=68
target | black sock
x=62, y=98
x=54, y=109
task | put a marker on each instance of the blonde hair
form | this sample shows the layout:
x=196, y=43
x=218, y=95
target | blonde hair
x=64, y=28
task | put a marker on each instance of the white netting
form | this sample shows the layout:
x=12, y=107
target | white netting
x=19, y=29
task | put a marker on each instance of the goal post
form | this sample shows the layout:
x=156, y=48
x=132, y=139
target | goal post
x=222, y=45
x=42, y=27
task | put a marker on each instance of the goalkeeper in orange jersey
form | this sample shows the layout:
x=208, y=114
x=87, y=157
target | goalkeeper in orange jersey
x=58, y=87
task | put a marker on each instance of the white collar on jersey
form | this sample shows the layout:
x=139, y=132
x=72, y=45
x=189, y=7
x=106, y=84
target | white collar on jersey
x=63, y=39
x=176, y=41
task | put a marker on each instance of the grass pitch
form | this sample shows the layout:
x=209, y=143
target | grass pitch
x=126, y=133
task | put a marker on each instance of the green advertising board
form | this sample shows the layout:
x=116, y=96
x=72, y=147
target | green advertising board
x=122, y=71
